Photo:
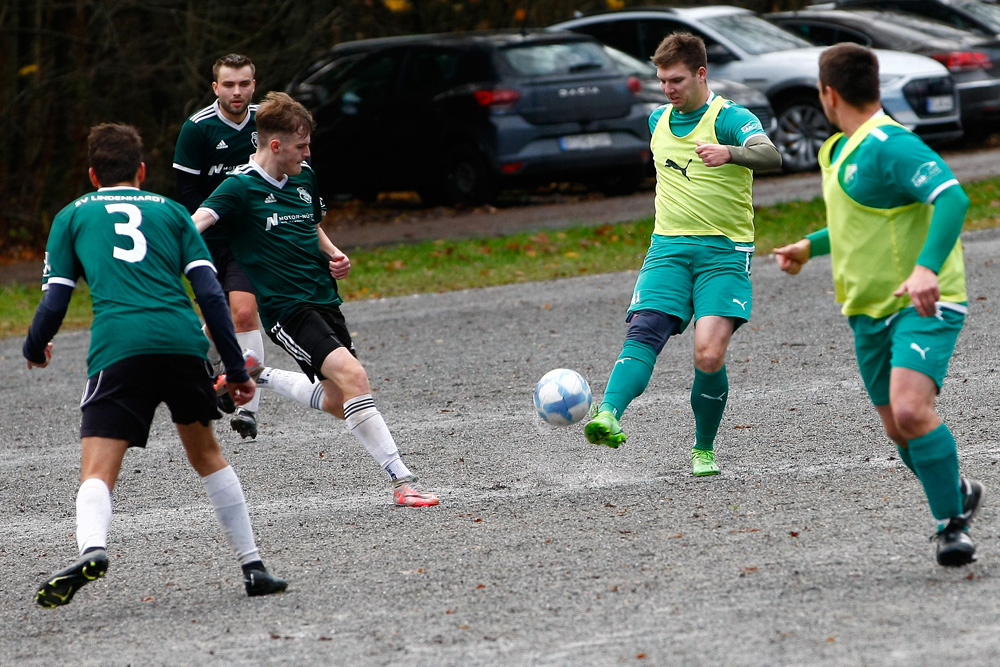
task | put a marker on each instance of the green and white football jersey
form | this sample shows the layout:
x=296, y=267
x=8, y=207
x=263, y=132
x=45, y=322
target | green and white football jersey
x=131, y=247
x=211, y=146
x=272, y=233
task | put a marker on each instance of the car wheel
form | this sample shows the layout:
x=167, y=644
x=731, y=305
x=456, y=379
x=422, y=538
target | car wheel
x=802, y=129
x=468, y=179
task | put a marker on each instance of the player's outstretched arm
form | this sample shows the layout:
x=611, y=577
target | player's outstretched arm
x=37, y=348
x=792, y=257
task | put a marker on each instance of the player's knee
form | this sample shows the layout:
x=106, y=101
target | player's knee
x=914, y=418
x=651, y=328
x=709, y=358
x=244, y=319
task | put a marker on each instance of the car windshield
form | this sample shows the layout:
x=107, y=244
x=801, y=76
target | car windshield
x=755, y=35
x=984, y=11
x=549, y=59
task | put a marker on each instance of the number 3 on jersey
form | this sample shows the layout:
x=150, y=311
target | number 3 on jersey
x=131, y=230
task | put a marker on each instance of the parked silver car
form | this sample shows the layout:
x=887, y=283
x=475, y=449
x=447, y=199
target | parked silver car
x=651, y=93
x=917, y=91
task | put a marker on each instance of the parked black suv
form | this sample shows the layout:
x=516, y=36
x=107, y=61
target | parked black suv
x=457, y=117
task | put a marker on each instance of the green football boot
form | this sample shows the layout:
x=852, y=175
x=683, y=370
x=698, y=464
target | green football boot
x=604, y=429
x=703, y=463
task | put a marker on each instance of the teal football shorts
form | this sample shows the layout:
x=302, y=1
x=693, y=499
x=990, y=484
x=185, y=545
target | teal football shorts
x=905, y=340
x=693, y=276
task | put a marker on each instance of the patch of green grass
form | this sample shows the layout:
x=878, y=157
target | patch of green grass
x=441, y=266
x=18, y=303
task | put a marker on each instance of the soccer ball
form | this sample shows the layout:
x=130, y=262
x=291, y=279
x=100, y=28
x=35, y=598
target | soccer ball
x=562, y=397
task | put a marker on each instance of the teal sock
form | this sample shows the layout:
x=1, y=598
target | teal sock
x=935, y=459
x=904, y=455
x=629, y=378
x=709, y=394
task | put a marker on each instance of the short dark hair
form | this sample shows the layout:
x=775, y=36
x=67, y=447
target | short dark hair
x=278, y=114
x=233, y=61
x=681, y=47
x=851, y=70
x=115, y=152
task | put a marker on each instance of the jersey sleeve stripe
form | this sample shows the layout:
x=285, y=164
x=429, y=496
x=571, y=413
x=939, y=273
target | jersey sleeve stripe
x=199, y=262
x=59, y=281
x=941, y=188
x=187, y=170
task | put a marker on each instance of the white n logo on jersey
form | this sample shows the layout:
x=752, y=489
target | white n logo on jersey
x=216, y=169
x=922, y=350
x=272, y=221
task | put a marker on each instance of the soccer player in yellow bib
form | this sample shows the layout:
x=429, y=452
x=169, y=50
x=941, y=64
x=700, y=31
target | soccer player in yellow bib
x=698, y=265
x=894, y=215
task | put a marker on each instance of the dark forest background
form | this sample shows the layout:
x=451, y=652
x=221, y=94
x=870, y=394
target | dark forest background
x=68, y=64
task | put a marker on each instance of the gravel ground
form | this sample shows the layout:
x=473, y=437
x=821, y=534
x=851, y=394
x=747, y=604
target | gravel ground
x=810, y=549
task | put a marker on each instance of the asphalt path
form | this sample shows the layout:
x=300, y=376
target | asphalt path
x=811, y=548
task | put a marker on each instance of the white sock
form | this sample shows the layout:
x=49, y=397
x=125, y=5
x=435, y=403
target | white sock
x=367, y=425
x=226, y=496
x=93, y=514
x=213, y=352
x=295, y=386
x=253, y=341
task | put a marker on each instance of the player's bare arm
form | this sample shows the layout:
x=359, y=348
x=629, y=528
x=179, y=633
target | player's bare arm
x=792, y=257
x=340, y=263
x=923, y=288
x=203, y=219
x=713, y=155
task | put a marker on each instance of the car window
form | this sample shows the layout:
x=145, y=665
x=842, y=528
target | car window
x=824, y=33
x=932, y=10
x=429, y=73
x=372, y=82
x=548, y=59
x=755, y=35
x=927, y=26
x=986, y=12
x=629, y=64
x=623, y=35
x=652, y=32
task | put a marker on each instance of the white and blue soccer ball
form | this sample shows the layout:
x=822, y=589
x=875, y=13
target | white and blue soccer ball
x=562, y=397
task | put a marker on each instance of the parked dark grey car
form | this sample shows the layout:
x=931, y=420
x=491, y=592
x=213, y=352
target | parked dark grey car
x=458, y=117
x=974, y=15
x=973, y=60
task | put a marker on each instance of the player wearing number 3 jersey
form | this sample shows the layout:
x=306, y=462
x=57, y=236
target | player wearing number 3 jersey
x=147, y=348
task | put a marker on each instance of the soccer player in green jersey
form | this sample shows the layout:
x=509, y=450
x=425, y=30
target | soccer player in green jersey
x=146, y=348
x=213, y=142
x=271, y=211
x=698, y=265
x=894, y=215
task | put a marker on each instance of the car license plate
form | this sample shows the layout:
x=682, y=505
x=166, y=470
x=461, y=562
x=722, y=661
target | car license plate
x=940, y=104
x=583, y=142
